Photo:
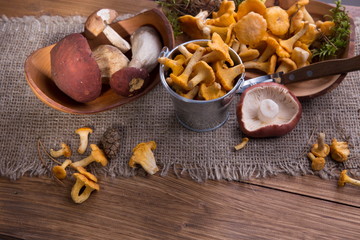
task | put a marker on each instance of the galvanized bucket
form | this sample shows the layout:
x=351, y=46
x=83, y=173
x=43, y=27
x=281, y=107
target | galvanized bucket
x=200, y=115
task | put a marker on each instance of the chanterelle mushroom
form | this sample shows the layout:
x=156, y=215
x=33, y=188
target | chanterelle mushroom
x=65, y=151
x=268, y=110
x=143, y=155
x=82, y=181
x=83, y=133
x=99, y=21
x=59, y=171
x=97, y=155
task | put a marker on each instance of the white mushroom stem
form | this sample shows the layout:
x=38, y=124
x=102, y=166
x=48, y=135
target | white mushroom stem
x=268, y=110
x=116, y=39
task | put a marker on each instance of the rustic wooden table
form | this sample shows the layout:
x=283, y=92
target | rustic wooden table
x=282, y=207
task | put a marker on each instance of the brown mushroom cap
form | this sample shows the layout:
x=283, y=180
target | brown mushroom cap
x=288, y=116
x=97, y=21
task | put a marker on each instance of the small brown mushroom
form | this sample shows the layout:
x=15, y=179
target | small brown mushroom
x=317, y=163
x=99, y=21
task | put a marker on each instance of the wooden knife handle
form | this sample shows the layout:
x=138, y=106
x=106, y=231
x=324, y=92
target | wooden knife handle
x=322, y=69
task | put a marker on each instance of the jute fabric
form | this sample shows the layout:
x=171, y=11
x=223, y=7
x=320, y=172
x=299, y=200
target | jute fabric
x=25, y=120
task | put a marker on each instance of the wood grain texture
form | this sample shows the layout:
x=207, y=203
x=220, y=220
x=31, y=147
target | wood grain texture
x=170, y=208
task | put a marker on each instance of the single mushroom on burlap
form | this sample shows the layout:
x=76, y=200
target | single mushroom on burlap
x=59, y=171
x=268, y=110
x=65, y=151
x=339, y=150
x=83, y=133
x=98, y=22
x=143, y=155
x=320, y=149
x=97, y=155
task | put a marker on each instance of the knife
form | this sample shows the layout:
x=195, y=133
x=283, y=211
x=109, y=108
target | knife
x=312, y=71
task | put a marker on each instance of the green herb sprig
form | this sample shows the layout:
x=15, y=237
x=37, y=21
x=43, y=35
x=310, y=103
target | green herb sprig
x=331, y=46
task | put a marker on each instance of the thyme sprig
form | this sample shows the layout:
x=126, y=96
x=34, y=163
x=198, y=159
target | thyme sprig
x=331, y=46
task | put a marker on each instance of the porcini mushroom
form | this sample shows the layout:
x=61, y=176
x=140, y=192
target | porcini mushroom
x=110, y=60
x=97, y=155
x=65, y=151
x=59, y=171
x=202, y=72
x=79, y=196
x=143, y=155
x=98, y=22
x=268, y=110
x=320, y=149
x=339, y=150
x=83, y=133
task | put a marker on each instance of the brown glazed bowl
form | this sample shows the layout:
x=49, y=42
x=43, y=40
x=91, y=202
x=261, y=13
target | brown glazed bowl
x=38, y=68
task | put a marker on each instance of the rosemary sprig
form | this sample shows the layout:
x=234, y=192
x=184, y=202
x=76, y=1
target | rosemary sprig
x=331, y=46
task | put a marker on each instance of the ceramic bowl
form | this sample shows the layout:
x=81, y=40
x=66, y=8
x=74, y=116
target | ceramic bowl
x=38, y=68
x=316, y=87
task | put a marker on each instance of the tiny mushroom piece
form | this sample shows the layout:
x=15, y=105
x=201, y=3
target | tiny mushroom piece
x=110, y=60
x=277, y=20
x=289, y=43
x=97, y=155
x=65, y=151
x=300, y=57
x=247, y=54
x=219, y=51
x=286, y=65
x=241, y=145
x=211, y=92
x=143, y=155
x=267, y=67
x=320, y=149
x=317, y=163
x=268, y=110
x=59, y=171
x=251, y=29
x=202, y=72
x=183, y=78
x=226, y=76
x=79, y=196
x=98, y=22
x=339, y=150
x=83, y=133
x=344, y=178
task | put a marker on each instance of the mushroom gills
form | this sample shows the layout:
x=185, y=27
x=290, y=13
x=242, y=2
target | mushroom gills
x=268, y=107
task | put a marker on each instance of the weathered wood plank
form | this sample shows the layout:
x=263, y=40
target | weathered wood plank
x=169, y=208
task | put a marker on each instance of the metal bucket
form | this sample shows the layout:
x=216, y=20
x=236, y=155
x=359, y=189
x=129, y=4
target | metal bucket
x=200, y=115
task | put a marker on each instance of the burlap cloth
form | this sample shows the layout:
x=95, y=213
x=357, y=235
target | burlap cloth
x=210, y=155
